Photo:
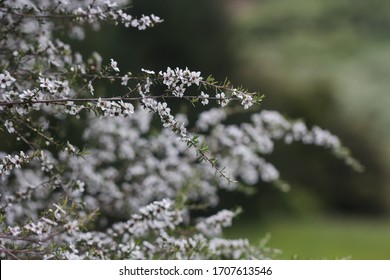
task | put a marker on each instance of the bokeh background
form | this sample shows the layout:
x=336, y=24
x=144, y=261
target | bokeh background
x=324, y=61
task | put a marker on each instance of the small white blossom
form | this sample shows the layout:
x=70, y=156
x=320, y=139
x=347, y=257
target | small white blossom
x=127, y=108
x=110, y=4
x=125, y=79
x=72, y=109
x=15, y=230
x=53, y=86
x=70, y=148
x=114, y=65
x=204, y=98
x=9, y=126
x=72, y=226
x=6, y=79
x=168, y=77
x=90, y=87
x=16, y=161
x=179, y=91
x=37, y=228
x=247, y=101
x=163, y=109
x=222, y=99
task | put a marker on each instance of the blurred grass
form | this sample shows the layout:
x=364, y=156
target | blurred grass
x=321, y=238
x=326, y=61
x=341, y=43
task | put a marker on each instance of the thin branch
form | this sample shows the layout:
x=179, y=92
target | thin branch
x=16, y=238
x=84, y=100
x=62, y=16
x=9, y=252
x=34, y=130
x=211, y=162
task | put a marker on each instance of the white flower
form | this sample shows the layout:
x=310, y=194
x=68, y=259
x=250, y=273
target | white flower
x=168, y=77
x=147, y=85
x=45, y=83
x=6, y=79
x=134, y=23
x=110, y=4
x=222, y=99
x=54, y=86
x=90, y=87
x=72, y=109
x=102, y=104
x=9, y=126
x=72, y=226
x=195, y=78
x=155, y=18
x=127, y=108
x=15, y=230
x=16, y=161
x=247, y=102
x=163, y=109
x=179, y=91
x=36, y=228
x=114, y=65
x=80, y=185
x=125, y=79
x=204, y=98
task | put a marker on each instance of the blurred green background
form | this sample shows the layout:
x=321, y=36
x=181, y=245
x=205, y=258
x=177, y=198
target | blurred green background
x=325, y=61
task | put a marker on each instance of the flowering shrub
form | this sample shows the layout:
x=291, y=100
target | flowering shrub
x=132, y=192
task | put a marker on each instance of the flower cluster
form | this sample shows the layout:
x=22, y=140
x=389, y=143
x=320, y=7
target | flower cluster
x=246, y=100
x=212, y=226
x=109, y=11
x=115, y=109
x=55, y=87
x=34, y=237
x=8, y=163
x=178, y=80
x=82, y=11
x=156, y=216
x=141, y=23
x=167, y=119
